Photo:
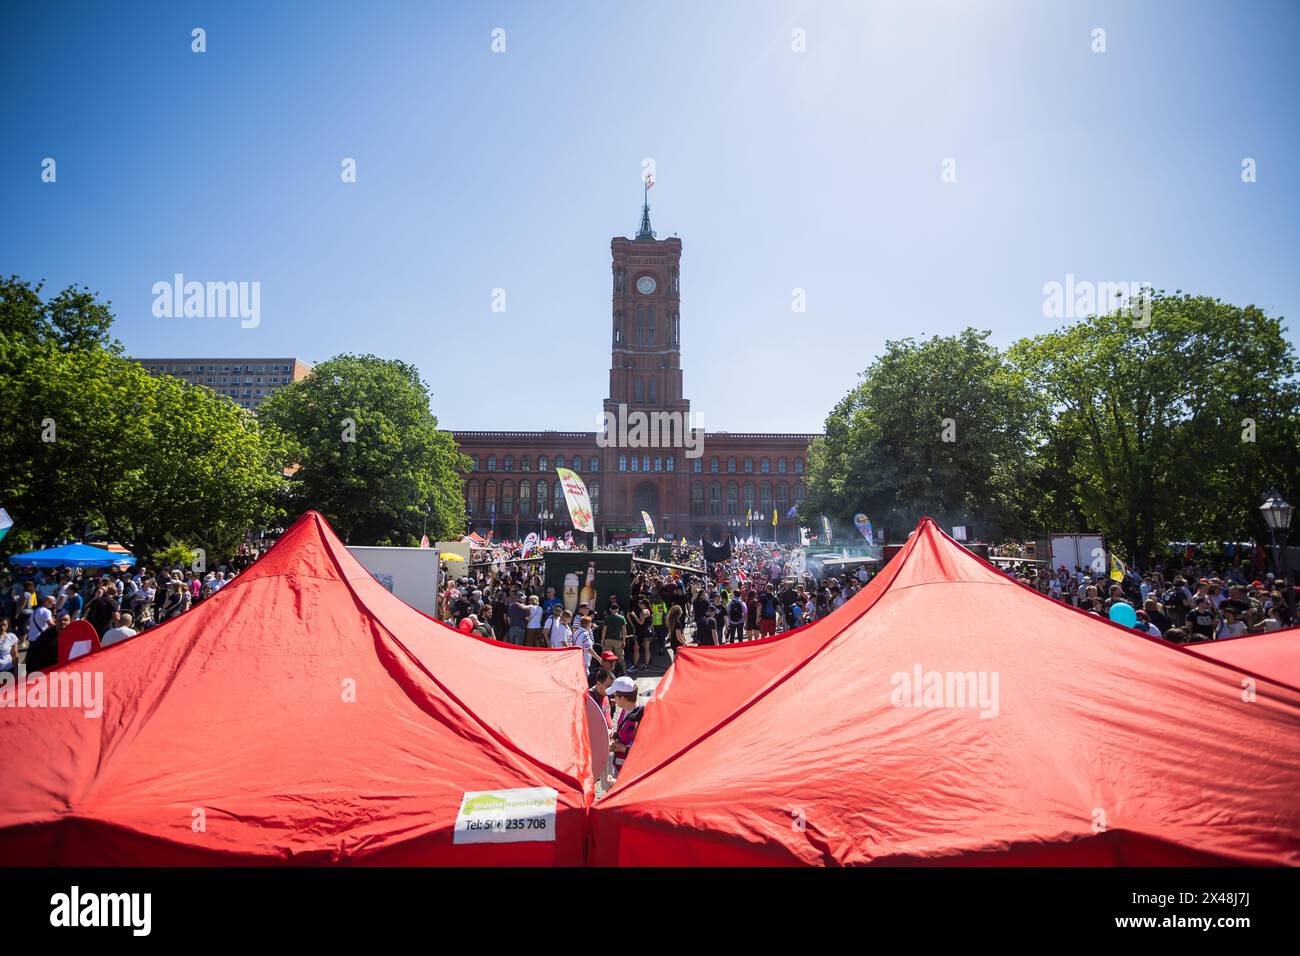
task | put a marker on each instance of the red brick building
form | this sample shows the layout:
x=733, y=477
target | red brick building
x=651, y=458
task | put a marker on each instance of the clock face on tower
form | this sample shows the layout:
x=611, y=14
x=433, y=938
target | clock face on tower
x=645, y=285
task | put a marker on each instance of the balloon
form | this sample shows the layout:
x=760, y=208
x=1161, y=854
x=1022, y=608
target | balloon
x=1123, y=614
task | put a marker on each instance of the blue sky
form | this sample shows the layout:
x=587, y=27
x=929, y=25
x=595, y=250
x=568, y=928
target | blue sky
x=476, y=170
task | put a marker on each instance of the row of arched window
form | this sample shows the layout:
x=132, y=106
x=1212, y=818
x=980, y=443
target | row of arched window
x=740, y=499
x=507, y=463
x=530, y=498
x=747, y=466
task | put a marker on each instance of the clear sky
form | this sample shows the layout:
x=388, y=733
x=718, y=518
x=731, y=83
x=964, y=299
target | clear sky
x=819, y=170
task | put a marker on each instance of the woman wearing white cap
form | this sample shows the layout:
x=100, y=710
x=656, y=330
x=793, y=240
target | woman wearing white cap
x=624, y=693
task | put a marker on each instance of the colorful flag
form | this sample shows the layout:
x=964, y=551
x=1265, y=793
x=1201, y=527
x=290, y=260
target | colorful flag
x=1117, y=569
x=773, y=517
x=649, y=525
x=575, y=495
x=826, y=528
x=424, y=541
x=863, y=524
x=793, y=512
x=6, y=523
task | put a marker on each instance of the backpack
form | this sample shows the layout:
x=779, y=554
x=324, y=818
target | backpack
x=736, y=611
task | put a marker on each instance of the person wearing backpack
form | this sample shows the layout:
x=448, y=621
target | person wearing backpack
x=735, y=620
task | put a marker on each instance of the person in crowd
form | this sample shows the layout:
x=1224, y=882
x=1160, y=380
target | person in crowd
x=517, y=612
x=582, y=637
x=675, y=630
x=601, y=682
x=482, y=626
x=1202, y=619
x=624, y=693
x=735, y=632
x=43, y=650
x=533, y=634
x=559, y=631
x=613, y=633
x=643, y=634
x=8, y=647
x=100, y=611
x=120, y=631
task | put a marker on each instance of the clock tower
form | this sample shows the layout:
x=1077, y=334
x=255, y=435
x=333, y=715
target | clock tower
x=646, y=370
x=645, y=378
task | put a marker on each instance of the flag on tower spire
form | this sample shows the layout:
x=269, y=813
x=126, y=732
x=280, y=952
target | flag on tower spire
x=645, y=232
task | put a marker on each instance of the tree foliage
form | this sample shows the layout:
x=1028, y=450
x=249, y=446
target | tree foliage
x=940, y=427
x=370, y=455
x=93, y=441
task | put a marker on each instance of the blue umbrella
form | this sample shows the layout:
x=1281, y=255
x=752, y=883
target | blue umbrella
x=72, y=556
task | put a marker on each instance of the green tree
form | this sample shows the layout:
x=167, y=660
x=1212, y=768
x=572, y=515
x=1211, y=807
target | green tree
x=940, y=427
x=93, y=440
x=1171, y=425
x=370, y=455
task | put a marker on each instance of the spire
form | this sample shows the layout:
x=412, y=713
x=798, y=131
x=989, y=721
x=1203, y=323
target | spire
x=645, y=232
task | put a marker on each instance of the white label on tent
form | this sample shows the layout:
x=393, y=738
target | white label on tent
x=523, y=815
x=79, y=649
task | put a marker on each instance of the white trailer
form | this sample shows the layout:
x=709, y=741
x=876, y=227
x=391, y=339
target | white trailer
x=1087, y=551
x=410, y=573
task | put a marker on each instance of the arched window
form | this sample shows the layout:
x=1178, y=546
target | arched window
x=525, y=464
x=525, y=498
x=780, y=466
x=714, y=466
x=541, y=495
x=492, y=462
x=733, y=498
x=798, y=466
x=473, y=462
x=560, y=507
x=593, y=490
x=715, y=499
x=559, y=461
x=640, y=325
x=510, y=462
x=731, y=466
x=782, y=498
x=765, y=498
x=636, y=462
x=697, y=466
x=749, y=466
x=650, y=336
x=507, y=497
x=654, y=389
x=490, y=497
x=668, y=463
x=622, y=462
x=798, y=493
x=638, y=390
x=595, y=463
x=697, y=498
x=541, y=463
x=471, y=497
x=765, y=466
x=749, y=497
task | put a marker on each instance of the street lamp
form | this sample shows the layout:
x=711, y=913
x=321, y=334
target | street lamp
x=543, y=516
x=1277, y=516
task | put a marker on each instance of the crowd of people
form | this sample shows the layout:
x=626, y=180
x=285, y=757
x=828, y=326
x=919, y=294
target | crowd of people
x=1183, y=605
x=37, y=605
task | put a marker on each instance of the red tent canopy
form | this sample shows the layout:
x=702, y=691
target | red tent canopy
x=950, y=715
x=1273, y=654
x=303, y=714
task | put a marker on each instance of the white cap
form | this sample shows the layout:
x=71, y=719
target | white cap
x=623, y=685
